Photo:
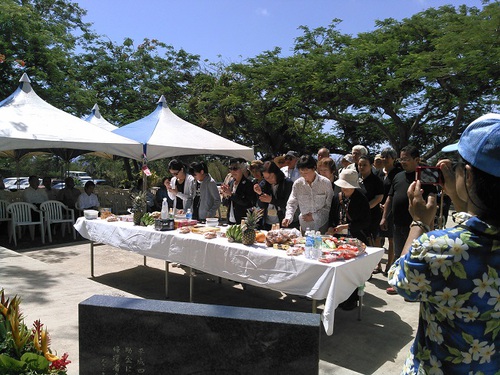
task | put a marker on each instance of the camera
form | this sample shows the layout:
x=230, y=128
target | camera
x=430, y=175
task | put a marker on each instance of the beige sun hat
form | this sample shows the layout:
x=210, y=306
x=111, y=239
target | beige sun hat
x=349, y=158
x=348, y=179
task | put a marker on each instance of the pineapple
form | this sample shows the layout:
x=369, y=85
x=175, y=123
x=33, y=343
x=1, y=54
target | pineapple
x=249, y=224
x=138, y=206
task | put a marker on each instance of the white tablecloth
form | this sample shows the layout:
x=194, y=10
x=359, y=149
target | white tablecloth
x=255, y=265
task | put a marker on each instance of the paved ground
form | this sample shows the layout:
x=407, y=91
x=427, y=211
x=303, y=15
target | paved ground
x=52, y=280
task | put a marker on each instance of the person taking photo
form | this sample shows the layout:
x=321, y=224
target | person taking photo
x=454, y=272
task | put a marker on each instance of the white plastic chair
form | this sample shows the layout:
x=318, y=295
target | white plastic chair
x=21, y=216
x=57, y=212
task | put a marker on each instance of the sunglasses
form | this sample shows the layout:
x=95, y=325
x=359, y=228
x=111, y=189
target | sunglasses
x=175, y=173
x=233, y=168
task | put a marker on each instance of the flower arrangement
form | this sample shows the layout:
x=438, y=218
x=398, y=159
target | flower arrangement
x=25, y=351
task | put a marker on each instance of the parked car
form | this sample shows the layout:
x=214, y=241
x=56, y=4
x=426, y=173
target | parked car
x=79, y=175
x=102, y=182
x=58, y=186
x=15, y=182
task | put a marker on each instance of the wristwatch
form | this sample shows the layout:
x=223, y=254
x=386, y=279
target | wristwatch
x=418, y=223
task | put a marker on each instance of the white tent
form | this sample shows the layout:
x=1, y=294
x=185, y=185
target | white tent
x=163, y=135
x=95, y=118
x=28, y=122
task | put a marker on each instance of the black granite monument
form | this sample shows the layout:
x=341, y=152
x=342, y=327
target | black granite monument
x=136, y=336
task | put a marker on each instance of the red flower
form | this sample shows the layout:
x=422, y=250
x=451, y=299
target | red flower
x=60, y=364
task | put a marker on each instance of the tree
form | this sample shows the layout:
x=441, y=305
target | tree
x=39, y=37
x=254, y=103
x=127, y=80
x=420, y=81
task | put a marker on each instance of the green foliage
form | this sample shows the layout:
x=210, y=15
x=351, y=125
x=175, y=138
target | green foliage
x=217, y=170
x=420, y=80
x=24, y=351
x=38, y=37
x=127, y=80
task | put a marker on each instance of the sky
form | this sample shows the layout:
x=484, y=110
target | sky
x=234, y=30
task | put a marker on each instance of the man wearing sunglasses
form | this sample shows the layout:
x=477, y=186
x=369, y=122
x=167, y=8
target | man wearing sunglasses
x=290, y=169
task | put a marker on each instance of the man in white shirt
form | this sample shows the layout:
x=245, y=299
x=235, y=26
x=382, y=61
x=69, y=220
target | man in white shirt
x=32, y=194
x=290, y=170
x=88, y=200
x=312, y=194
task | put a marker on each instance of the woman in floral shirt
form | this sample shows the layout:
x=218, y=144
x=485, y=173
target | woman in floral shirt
x=454, y=272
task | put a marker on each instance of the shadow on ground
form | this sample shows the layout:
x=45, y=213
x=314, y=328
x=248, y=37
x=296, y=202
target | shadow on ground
x=351, y=344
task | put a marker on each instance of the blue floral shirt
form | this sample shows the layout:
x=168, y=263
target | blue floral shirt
x=454, y=273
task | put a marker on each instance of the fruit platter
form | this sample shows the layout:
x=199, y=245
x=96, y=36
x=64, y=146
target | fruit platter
x=341, y=248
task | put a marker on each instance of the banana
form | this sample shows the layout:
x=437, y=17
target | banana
x=234, y=233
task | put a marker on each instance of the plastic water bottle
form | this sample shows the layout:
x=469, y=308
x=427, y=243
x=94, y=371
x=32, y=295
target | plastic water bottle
x=189, y=214
x=164, y=209
x=309, y=243
x=318, y=242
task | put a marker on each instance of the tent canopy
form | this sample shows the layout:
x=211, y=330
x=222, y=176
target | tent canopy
x=28, y=122
x=95, y=118
x=164, y=135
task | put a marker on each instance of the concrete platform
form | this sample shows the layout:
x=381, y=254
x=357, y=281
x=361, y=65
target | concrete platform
x=52, y=280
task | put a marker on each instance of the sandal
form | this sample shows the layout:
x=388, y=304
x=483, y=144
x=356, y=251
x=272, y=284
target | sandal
x=391, y=290
x=377, y=270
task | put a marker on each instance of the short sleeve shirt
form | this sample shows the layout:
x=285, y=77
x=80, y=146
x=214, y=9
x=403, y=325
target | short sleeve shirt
x=455, y=273
x=398, y=191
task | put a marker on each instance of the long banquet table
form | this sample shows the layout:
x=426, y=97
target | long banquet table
x=256, y=265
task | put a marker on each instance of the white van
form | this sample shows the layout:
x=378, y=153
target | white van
x=79, y=175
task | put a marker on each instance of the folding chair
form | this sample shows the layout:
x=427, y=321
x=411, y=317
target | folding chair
x=20, y=213
x=57, y=212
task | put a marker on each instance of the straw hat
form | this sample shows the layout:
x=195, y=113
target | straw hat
x=349, y=158
x=348, y=179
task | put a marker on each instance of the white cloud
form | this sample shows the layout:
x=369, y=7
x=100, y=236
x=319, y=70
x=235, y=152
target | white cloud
x=262, y=12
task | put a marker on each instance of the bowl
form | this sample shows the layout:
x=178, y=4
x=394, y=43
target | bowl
x=90, y=214
x=212, y=221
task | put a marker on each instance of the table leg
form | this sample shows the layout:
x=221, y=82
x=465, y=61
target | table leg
x=145, y=261
x=361, y=293
x=166, y=278
x=191, y=282
x=92, y=258
x=314, y=306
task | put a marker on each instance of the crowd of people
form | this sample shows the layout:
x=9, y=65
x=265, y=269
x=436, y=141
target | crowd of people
x=364, y=196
